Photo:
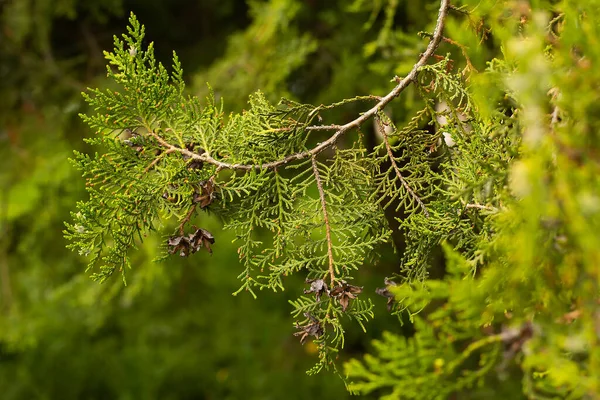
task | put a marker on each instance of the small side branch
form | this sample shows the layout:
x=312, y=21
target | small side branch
x=325, y=218
x=399, y=174
x=158, y=158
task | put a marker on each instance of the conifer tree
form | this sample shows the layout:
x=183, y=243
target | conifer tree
x=497, y=171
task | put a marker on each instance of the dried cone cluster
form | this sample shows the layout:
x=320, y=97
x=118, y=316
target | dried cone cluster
x=201, y=238
x=343, y=293
x=312, y=328
x=206, y=195
x=191, y=243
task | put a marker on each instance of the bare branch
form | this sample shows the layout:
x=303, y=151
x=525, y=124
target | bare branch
x=341, y=129
x=186, y=219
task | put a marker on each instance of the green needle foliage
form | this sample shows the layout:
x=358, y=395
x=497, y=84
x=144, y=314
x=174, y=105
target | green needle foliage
x=167, y=156
x=495, y=178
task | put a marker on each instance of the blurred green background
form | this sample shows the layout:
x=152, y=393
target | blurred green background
x=175, y=331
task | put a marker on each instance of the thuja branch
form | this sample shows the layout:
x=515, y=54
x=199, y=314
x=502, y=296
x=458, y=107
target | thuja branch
x=144, y=179
x=403, y=83
x=325, y=219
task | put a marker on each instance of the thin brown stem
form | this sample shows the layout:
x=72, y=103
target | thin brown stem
x=158, y=158
x=399, y=174
x=480, y=207
x=463, y=50
x=341, y=129
x=186, y=219
x=325, y=218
